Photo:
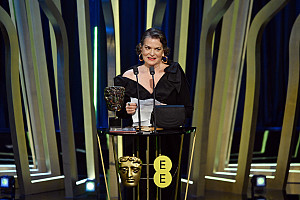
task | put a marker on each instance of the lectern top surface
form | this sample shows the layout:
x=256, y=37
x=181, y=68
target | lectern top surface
x=133, y=132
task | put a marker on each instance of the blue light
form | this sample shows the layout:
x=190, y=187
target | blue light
x=4, y=182
x=90, y=186
x=7, y=185
x=258, y=189
x=260, y=181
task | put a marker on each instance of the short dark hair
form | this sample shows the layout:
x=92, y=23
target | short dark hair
x=153, y=33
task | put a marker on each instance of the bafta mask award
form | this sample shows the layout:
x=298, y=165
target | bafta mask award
x=130, y=170
x=114, y=97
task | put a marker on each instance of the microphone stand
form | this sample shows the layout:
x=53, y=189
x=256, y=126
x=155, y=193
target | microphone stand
x=136, y=72
x=152, y=72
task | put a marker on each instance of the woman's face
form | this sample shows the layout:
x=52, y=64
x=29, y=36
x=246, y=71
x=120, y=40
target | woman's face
x=152, y=51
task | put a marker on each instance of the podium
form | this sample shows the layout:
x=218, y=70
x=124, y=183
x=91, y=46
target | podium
x=145, y=136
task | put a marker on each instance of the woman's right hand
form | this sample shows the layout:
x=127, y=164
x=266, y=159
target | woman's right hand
x=131, y=108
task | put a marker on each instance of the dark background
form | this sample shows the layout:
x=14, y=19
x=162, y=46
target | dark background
x=274, y=66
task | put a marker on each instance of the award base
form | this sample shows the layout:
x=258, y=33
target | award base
x=114, y=122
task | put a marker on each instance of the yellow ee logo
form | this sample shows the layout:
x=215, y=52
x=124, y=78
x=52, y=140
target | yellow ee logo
x=162, y=177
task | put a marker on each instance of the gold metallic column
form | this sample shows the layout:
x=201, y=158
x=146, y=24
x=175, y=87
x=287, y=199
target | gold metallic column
x=111, y=18
x=64, y=104
x=14, y=98
x=150, y=11
x=239, y=185
x=28, y=185
x=90, y=129
x=228, y=76
x=24, y=94
x=158, y=13
x=181, y=32
x=203, y=90
x=31, y=80
x=42, y=84
x=291, y=108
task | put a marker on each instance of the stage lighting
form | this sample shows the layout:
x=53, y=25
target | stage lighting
x=259, y=183
x=90, y=185
x=259, y=198
x=7, y=185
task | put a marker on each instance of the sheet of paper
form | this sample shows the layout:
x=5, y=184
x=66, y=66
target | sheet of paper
x=146, y=110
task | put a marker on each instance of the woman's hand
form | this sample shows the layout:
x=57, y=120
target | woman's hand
x=131, y=108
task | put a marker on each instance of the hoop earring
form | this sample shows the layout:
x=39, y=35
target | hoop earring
x=141, y=58
x=164, y=59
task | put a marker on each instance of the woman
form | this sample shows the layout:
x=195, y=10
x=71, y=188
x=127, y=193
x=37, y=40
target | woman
x=171, y=88
x=170, y=82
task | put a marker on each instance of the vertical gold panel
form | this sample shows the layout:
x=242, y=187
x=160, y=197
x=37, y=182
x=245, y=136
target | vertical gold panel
x=111, y=40
x=64, y=104
x=203, y=89
x=85, y=49
x=109, y=10
x=23, y=89
x=252, y=88
x=240, y=183
x=14, y=98
x=25, y=182
x=181, y=32
x=150, y=11
x=291, y=107
x=227, y=81
x=54, y=49
x=116, y=17
x=42, y=83
x=159, y=13
x=30, y=75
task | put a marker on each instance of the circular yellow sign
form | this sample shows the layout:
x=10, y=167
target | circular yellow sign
x=162, y=177
x=162, y=163
x=162, y=180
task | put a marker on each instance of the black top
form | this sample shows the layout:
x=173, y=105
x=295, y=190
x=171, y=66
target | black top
x=132, y=132
x=171, y=89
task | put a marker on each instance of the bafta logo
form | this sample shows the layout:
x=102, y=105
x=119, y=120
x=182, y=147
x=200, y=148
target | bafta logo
x=130, y=170
x=114, y=97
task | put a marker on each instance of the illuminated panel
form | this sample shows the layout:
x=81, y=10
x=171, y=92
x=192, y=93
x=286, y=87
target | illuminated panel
x=220, y=179
x=81, y=181
x=186, y=181
x=47, y=179
x=95, y=66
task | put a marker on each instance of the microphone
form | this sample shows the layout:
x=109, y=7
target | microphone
x=136, y=72
x=152, y=72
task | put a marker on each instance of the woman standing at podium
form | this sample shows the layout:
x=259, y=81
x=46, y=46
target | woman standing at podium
x=171, y=88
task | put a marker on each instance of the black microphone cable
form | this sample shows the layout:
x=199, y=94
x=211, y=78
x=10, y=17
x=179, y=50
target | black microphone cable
x=136, y=72
x=152, y=72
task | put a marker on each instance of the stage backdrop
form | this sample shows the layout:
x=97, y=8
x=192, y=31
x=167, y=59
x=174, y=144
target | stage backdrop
x=132, y=22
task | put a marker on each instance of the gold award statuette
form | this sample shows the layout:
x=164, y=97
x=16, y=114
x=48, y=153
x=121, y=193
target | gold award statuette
x=162, y=177
x=130, y=170
x=114, y=97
